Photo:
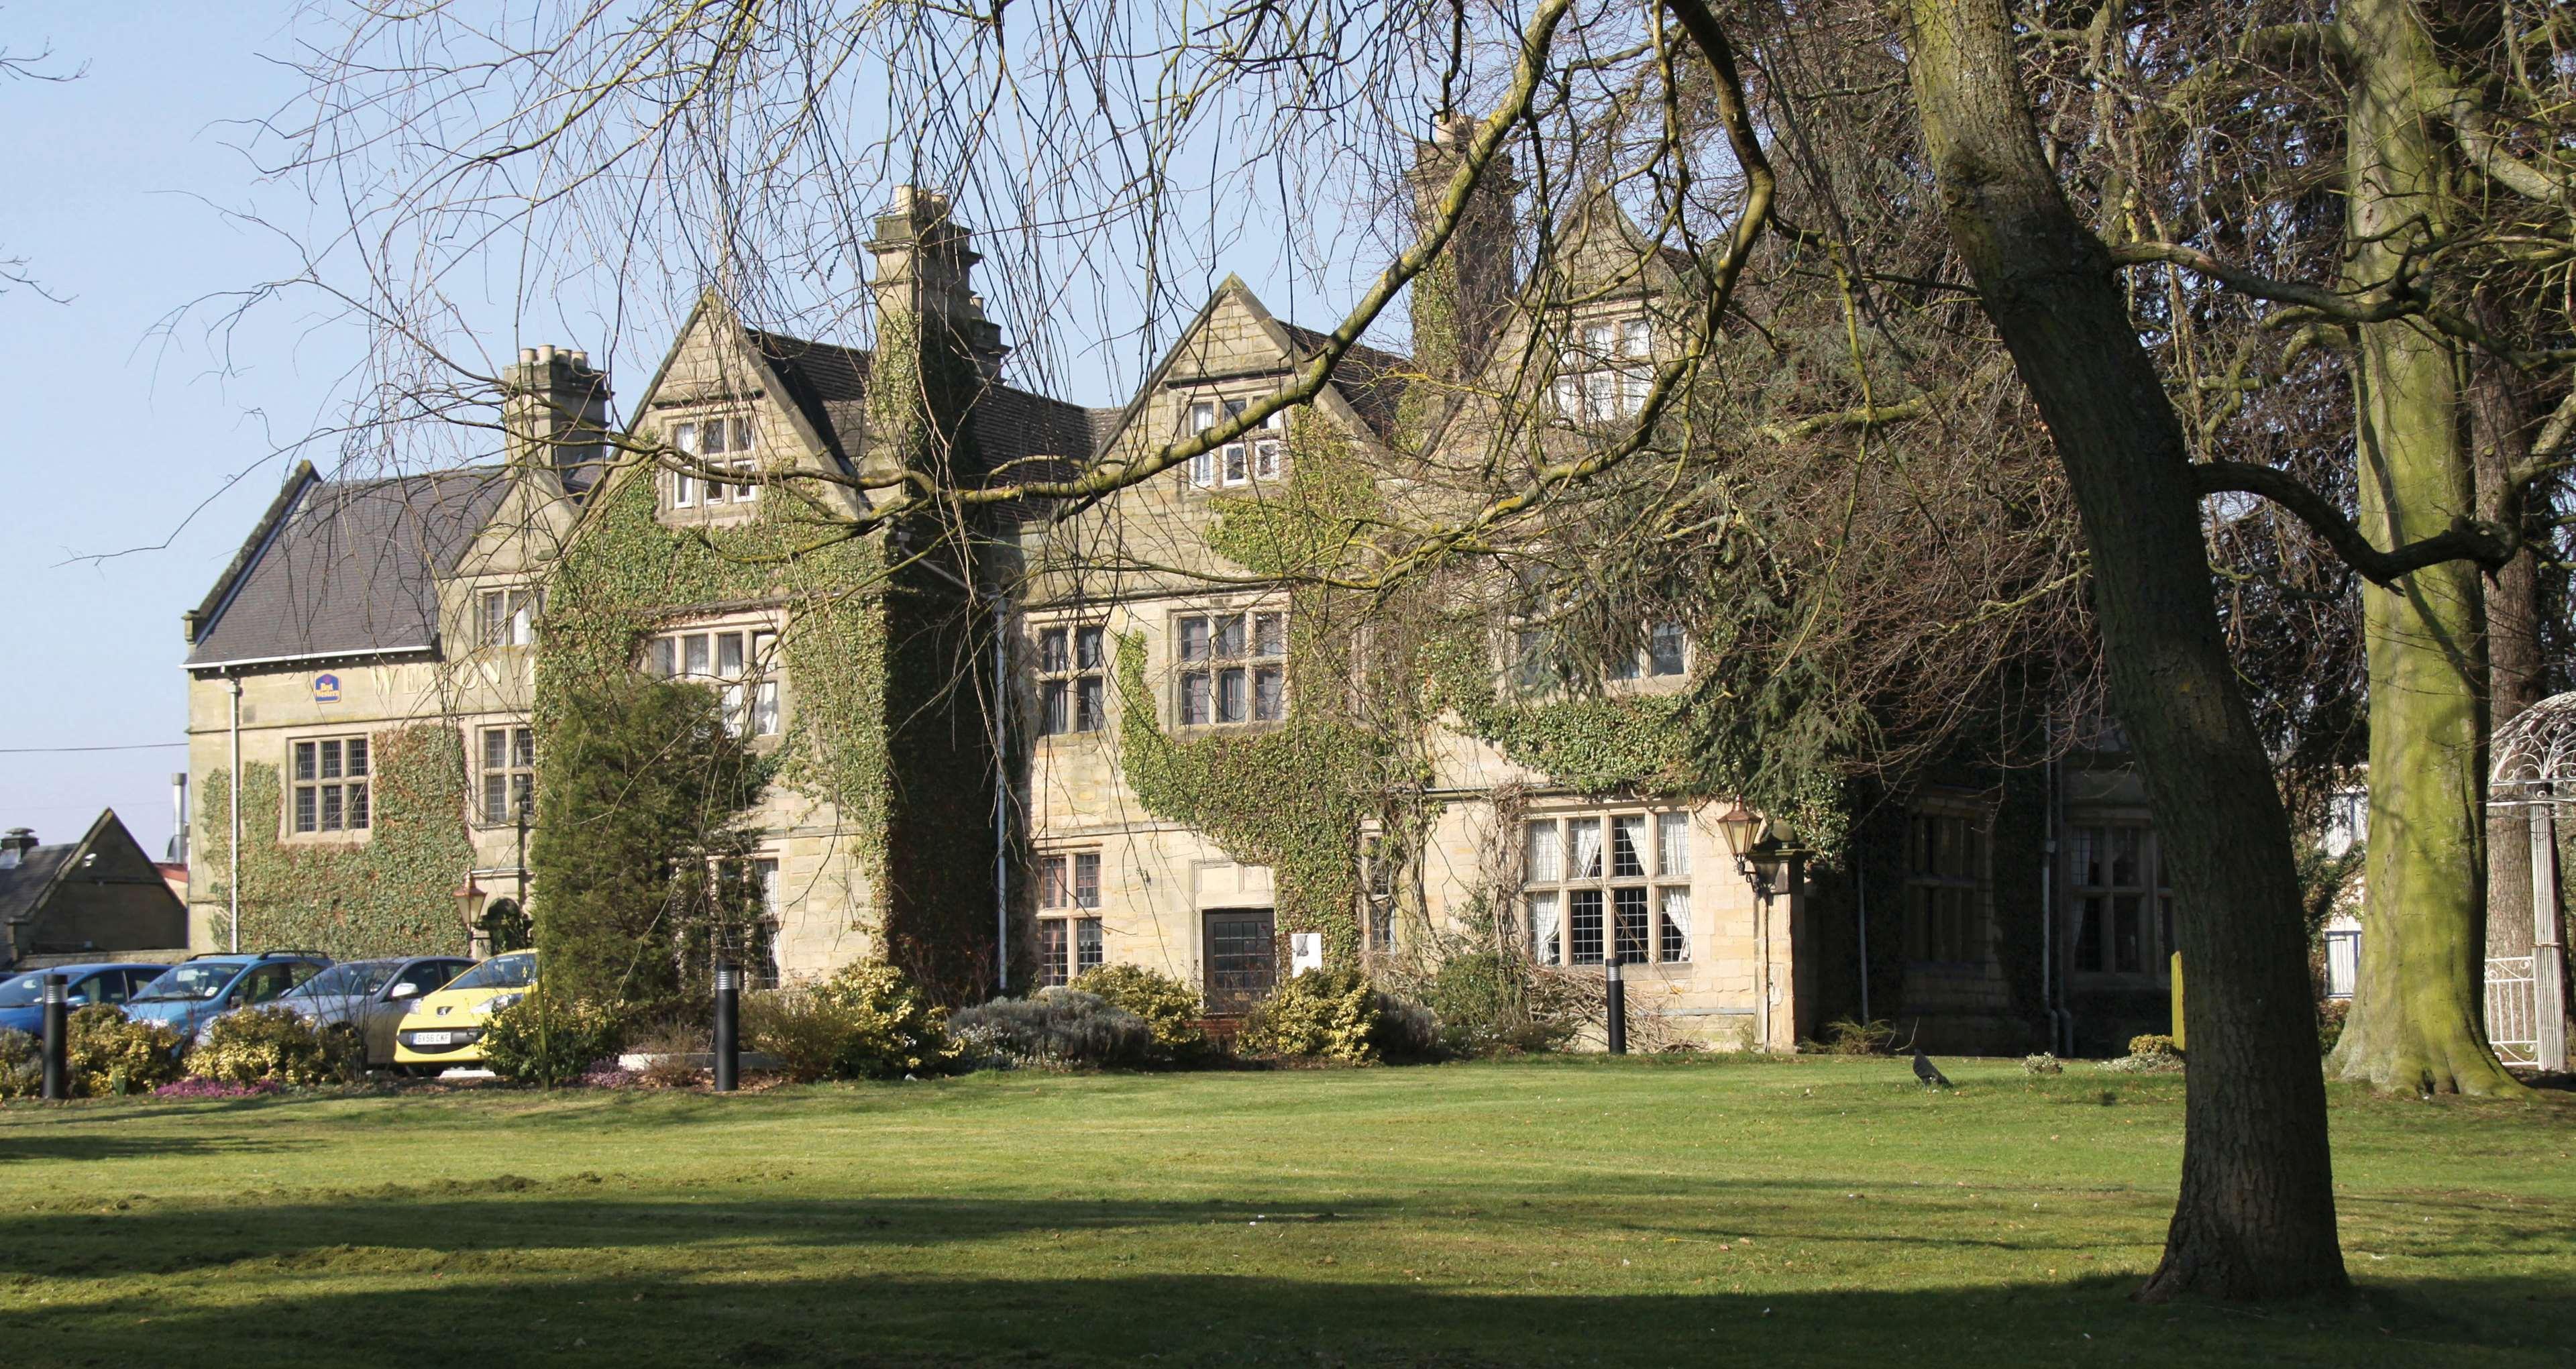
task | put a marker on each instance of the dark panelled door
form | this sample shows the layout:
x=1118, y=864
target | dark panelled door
x=1242, y=958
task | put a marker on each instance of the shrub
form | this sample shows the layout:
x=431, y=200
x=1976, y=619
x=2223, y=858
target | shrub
x=542, y=1039
x=2043, y=1063
x=1055, y=1027
x=1337, y=1015
x=1844, y=1036
x=2331, y=1013
x=22, y=1070
x=1169, y=1007
x=1484, y=1004
x=214, y=1088
x=2150, y=1054
x=273, y=1043
x=112, y=1054
x=2151, y=1047
x=865, y=1022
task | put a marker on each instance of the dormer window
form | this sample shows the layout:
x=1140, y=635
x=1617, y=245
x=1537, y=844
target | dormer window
x=1260, y=454
x=1608, y=374
x=506, y=617
x=727, y=443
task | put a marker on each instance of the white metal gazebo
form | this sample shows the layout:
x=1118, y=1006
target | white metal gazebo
x=2534, y=774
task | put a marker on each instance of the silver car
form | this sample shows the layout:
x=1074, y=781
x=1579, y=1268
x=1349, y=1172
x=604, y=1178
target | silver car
x=369, y=997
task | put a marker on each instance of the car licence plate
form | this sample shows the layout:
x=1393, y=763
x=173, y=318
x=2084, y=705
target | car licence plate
x=430, y=1038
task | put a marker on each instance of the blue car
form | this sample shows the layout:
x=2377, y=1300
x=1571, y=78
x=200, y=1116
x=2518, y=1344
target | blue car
x=22, y=997
x=194, y=992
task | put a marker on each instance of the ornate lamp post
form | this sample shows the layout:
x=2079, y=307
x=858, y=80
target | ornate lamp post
x=1767, y=864
x=469, y=901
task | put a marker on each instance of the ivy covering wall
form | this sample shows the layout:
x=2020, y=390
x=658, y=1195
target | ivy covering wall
x=626, y=575
x=1372, y=676
x=388, y=894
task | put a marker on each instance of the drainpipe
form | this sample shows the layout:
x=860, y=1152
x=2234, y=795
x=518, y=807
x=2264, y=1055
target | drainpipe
x=1001, y=797
x=2061, y=1022
x=1762, y=988
x=1860, y=897
x=232, y=866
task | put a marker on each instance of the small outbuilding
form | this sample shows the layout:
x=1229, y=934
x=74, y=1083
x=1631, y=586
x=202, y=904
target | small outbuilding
x=99, y=895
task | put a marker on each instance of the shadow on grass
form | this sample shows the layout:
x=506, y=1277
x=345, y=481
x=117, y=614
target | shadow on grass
x=20, y=1147
x=718, y=1317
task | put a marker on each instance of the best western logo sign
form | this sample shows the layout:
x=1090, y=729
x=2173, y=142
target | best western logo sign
x=326, y=689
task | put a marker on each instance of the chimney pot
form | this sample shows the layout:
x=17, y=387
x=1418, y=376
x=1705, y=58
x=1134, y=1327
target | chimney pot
x=527, y=356
x=581, y=360
x=546, y=353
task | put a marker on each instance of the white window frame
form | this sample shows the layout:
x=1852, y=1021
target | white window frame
x=1605, y=369
x=750, y=685
x=1254, y=660
x=1655, y=881
x=507, y=616
x=1261, y=453
x=739, y=434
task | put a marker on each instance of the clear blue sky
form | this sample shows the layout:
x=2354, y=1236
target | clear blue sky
x=117, y=435
x=135, y=465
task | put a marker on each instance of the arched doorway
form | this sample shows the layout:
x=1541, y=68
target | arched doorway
x=504, y=928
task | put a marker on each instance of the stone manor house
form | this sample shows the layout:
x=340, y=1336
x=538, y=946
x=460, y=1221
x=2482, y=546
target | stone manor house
x=367, y=683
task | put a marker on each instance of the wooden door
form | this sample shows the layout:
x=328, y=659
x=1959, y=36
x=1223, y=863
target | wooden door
x=1242, y=958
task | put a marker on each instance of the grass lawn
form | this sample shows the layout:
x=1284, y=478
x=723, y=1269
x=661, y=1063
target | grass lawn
x=1554, y=1211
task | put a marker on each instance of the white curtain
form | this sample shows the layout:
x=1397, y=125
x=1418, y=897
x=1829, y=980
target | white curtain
x=1672, y=844
x=1587, y=847
x=1544, y=929
x=1546, y=850
x=1675, y=931
x=1628, y=845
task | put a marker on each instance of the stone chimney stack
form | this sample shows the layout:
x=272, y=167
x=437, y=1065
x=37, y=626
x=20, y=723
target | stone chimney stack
x=1462, y=300
x=556, y=413
x=14, y=846
x=925, y=266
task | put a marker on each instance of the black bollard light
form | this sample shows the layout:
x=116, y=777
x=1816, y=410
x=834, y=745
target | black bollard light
x=57, y=1038
x=728, y=1018
x=1618, y=1008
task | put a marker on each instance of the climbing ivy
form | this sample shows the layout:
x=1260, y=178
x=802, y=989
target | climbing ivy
x=626, y=573
x=386, y=894
x=1297, y=797
x=1356, y=745
x=870, y=646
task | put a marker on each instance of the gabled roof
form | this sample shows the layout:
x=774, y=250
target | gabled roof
x=1369, y=382
x=345, y=567
x=23, y=888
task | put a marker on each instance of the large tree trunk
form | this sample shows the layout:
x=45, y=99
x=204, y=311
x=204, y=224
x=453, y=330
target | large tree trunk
x=2255, y=1217
x=2418, y=1014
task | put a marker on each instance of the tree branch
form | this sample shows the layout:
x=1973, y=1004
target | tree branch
x=2466, y=539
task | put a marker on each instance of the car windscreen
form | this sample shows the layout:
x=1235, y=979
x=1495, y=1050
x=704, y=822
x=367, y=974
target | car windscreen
x=25, y=991
x=353, y=980
x=194, y=981
x=500, y=972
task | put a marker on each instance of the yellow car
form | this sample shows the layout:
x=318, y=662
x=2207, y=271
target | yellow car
x=445, y=1029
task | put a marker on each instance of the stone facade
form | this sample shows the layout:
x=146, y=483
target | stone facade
x=1093, y=872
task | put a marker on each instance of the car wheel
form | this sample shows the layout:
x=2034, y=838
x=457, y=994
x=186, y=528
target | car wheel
x=424, y=1071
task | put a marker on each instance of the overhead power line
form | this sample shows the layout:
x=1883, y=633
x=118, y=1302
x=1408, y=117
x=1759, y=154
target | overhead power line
x=57, y=750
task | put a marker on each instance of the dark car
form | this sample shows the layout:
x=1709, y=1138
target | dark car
x=22, y=997
x=201, y=988
x=369, y=997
